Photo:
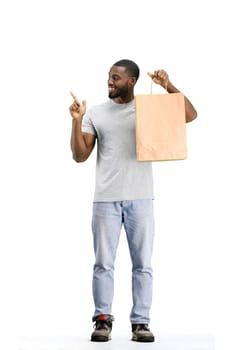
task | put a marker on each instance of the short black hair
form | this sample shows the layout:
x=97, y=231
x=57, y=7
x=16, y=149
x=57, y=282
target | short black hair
x=131, y=67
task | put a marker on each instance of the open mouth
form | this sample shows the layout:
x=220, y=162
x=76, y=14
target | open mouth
x=111, y=89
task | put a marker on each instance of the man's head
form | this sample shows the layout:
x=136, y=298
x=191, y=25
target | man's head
x=123, y=76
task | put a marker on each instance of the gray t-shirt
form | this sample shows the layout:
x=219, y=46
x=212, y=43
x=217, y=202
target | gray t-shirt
x=119, y=176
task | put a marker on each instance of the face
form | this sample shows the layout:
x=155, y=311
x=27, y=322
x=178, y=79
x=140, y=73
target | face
x=120, y=85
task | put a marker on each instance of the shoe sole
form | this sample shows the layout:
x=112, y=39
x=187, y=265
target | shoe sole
x=100, y=338
x=144, y=339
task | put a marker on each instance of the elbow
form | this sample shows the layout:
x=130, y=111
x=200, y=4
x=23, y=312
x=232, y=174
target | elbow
x=79, y=159
x=191, y=117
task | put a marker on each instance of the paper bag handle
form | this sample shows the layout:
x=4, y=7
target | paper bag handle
x=151, y=86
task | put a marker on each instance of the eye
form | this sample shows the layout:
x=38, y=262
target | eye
x=115, y=77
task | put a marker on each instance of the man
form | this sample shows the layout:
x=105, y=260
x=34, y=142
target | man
x=123, y=194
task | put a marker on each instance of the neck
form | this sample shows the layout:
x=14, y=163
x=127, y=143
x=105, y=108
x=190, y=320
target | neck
x=124, y=99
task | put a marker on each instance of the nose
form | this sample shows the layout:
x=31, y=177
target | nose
x=110, y=83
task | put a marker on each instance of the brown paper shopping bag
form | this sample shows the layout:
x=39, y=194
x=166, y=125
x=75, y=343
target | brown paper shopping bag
x=160, y=127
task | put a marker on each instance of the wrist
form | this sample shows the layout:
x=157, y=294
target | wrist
x=78, y=119
x=171, y=88
x=165, y=85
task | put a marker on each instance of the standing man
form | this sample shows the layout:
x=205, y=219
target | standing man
x=123, y=195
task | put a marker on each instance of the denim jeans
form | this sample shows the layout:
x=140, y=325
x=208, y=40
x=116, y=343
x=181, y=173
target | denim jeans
x=137, y=217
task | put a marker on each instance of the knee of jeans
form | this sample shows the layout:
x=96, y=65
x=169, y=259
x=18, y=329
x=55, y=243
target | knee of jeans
x=103, y=267
x=142, y=270
x=141, y=263
x=103, y=261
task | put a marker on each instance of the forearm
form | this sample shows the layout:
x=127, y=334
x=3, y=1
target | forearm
x=190, y=111
x=78, y=145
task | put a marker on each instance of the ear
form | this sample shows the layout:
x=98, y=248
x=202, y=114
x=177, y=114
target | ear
x=132, y=81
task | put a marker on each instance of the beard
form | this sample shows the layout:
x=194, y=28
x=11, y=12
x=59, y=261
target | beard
x=120, y=92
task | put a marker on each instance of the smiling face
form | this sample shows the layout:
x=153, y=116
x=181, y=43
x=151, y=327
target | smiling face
x=120, y=85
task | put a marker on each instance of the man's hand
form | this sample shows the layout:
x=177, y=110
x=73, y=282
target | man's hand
x=160, y=77
x=77, y=110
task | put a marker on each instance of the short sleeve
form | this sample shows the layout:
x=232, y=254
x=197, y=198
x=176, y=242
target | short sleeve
x=87, y=124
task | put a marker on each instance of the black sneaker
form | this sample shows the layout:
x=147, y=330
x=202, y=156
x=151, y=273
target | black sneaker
x=103, y=328
x=142, y=333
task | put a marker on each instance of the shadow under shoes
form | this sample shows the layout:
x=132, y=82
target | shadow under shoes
x=103, y=328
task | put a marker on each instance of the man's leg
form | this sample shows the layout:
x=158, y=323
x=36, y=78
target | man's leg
x=139, y=227
x=106, y=227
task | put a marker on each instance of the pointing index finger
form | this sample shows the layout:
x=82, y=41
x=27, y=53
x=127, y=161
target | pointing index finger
x=74, y=97
x=150, y=75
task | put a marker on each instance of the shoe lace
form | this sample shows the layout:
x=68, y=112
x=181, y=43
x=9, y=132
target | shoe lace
x=101, y=324
x=142, y=327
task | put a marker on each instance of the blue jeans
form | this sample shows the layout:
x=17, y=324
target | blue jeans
x=137, y=216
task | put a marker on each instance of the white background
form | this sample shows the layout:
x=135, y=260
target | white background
x=51, y=47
